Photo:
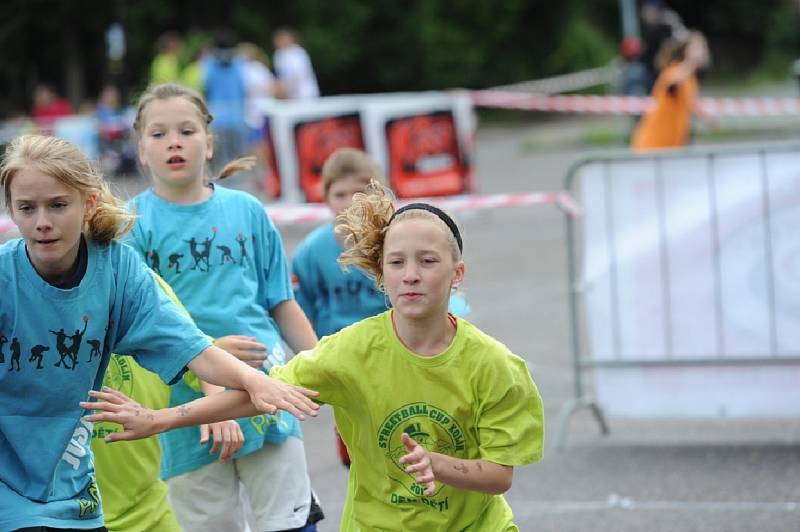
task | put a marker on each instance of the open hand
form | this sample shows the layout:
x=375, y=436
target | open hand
x=114, y=406
x=270, y=395
x=420, y=464
x=227, y=435
x=245, y=348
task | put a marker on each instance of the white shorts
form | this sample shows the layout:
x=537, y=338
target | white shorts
x=274, y=478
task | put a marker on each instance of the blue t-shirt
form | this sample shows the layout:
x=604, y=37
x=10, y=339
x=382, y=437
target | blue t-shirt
x=225, y=92
x=332, y=298
x=224, y=259
x=54, y=347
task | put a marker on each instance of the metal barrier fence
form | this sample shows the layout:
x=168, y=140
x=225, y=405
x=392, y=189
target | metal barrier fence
x=685, y=299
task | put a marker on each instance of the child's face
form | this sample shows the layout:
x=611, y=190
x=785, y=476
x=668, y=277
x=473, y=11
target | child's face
x=340, y=193
x=418, y=268
x=174, y=144
x=50, y=215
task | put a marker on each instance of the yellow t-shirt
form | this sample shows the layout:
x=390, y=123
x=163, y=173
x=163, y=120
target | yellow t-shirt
x=474, y=400
x=134, y=496
x=128, y=473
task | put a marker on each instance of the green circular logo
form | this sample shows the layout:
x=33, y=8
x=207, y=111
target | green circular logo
x=119, y=375
x=431, y=427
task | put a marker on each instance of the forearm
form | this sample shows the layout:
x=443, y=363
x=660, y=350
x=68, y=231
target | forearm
x=216, y=366
x=475, y=475
x=210, y=389
x=230, y=404
x=294, y=325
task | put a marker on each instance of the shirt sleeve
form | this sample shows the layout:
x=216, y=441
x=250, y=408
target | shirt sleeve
x=303, y=282
x=275, y=285
x=511, y=418
x=316, y=369
x=135, y=237
x=151, y=327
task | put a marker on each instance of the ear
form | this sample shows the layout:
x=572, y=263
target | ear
x=140, y=152
x=458, y=278
x=89, y=207
x=209, y=146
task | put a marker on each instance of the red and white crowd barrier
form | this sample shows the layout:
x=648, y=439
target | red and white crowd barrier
x=285, y=214
x=731, y=107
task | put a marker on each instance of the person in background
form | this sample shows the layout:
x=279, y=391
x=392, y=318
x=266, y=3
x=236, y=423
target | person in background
x=48, y=105
x=668, y=123
x=658, y=24
x=293, y=67
x=117, y=154
x=225, y=92
x=166, y=66
x=260, y=86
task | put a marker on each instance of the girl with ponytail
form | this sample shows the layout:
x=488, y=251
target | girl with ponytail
x=225, y=260
x=72, y=295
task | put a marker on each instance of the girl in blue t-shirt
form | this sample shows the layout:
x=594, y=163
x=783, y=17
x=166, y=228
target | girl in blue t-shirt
x=67, y=286
x=225, y=260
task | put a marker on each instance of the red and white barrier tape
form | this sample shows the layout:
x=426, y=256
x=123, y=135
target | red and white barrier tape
x=315, y=212
x=310, y=213
x=632, y=104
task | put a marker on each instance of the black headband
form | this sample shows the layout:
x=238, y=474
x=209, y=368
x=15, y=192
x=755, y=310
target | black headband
x=439, y=213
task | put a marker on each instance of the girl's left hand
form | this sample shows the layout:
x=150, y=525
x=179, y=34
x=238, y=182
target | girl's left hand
x=421, y=464
x=227, y=435
x=137, y=421
x=270, y=395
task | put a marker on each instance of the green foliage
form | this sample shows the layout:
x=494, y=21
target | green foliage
x=583, y=46
x=377, y=45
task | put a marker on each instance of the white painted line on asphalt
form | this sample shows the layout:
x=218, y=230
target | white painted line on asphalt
x=614, y=502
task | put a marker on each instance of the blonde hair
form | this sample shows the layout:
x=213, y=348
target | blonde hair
x=347, y=162
x=166, y=91
x=364, y=225
x=674, y=50
x=60, y=159
x=253, y=52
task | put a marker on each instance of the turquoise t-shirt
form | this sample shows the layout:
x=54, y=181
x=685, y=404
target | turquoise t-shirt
x=225, y=260
x=332, y=298
x=54, y=347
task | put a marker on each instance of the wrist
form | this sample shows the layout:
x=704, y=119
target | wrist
x=437, y=463
x=165, y=420
x=252, y=379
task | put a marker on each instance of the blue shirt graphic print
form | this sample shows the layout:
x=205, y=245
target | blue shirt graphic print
x=225, y=261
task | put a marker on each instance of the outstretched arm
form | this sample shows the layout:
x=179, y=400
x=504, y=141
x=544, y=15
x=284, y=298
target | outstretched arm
x=140, y=422
x=268, y=395
x=477, y=475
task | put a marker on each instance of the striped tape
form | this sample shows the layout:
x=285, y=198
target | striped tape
x=732, y=107
x=315, y=212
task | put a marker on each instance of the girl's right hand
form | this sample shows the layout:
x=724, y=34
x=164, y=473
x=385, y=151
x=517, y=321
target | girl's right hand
x=245, y=348
x=270, y=395
x=226, y=434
